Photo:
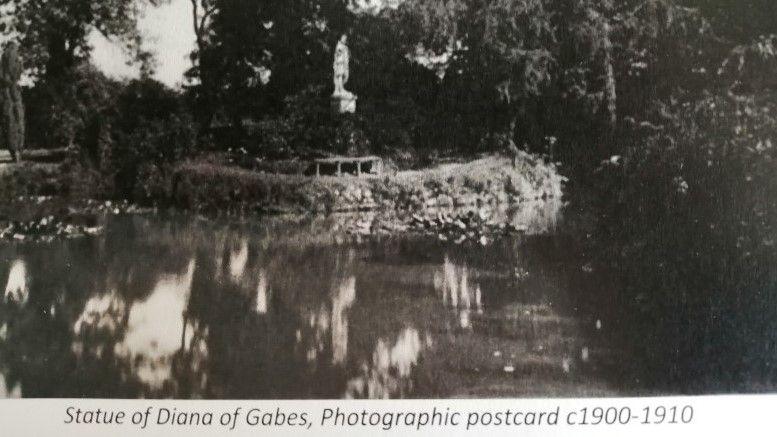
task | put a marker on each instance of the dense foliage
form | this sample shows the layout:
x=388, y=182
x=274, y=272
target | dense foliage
x=54, y=33
x=662, y=113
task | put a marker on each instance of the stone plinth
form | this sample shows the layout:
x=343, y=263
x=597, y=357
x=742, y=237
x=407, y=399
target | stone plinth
x=344, y=103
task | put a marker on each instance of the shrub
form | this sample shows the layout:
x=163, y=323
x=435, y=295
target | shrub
x=687, y=216
x=149, y=132
x=307, y=128
x=304, y=125
x=59, y=111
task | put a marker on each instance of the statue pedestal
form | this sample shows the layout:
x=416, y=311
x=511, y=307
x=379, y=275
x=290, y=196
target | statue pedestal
x=344, y=103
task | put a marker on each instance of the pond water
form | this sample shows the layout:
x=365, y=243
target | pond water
x=296, y=308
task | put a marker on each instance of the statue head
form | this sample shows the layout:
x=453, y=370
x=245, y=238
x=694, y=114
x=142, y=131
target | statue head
x=344, y=38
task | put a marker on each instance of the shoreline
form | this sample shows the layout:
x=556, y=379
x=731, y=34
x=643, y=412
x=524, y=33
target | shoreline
x=491, y=180
x=452, y=201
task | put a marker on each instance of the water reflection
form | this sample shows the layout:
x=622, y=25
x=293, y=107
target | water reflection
x=156, y=329
x=101, y=312
x=342, y=299
x=262, y=293
x=388, y=373
x=238, y=259
x=16, y=289
x=188, y=309
x=103, y=317
x=6, y=392
x=458, y=292
x=517, y=320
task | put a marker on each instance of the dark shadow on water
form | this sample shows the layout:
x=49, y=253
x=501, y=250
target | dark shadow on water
x=184, y=308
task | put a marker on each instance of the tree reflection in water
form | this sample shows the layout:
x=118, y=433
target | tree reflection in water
x=187, y=309
x=16, y=289
x=389, y=373
x=452, y=282
x=155, y=329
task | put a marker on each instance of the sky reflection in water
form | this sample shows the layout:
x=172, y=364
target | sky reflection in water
x=190, y=309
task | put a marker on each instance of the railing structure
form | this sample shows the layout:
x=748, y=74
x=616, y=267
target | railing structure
x=339, y=165
x=37, y=155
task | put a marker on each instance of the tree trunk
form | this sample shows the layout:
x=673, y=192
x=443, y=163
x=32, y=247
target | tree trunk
x=610, y=86
x=59, y=62
x=200, y=20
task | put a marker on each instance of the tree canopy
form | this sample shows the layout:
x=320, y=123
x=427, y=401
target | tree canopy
x=54, y=33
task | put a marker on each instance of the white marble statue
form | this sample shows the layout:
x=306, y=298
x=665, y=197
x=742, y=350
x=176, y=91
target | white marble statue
x=341, y=67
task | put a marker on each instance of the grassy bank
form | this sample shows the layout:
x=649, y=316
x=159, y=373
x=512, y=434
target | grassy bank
x=50, y=200
x=30, y=179
x=490, y=180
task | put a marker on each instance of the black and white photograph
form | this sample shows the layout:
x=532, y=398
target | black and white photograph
x=387, y=199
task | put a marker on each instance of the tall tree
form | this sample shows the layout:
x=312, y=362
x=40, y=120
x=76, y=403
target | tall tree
x=251, y=55
x=54, y=33
x=204, y=67
x=502, y=56
x=69, y=96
